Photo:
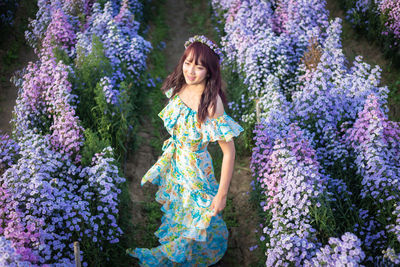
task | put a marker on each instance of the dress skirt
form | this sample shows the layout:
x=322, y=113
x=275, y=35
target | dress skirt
x=189, y=235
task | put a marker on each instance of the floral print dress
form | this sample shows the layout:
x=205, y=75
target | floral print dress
x=189, y=235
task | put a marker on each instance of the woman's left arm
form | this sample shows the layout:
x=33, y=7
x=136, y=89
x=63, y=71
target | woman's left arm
x=228, y=162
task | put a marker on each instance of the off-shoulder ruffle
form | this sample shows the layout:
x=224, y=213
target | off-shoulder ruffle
x=221, y=128
x=169, y=115
x=168, y=93
x=213, y=129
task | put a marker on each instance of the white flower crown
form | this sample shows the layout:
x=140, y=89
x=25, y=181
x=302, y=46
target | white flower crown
x=206, y=41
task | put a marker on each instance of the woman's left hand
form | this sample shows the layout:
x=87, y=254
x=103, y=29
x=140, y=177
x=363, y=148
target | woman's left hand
x=218, y=203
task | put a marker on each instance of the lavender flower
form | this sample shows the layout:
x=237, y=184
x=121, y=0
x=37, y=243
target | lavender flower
x=9, y=256
x=344, y=252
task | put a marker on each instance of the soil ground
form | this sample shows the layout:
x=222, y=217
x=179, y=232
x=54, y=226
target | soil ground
x=16, y=60
x=242, y=235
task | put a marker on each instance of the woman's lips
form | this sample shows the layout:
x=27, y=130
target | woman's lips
x=191, y=78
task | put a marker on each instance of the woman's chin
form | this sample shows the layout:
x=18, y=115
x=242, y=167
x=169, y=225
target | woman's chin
x=189, y=82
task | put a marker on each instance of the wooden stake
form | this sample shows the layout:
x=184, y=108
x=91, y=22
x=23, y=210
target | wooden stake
x=257, y=110
x=77, y=254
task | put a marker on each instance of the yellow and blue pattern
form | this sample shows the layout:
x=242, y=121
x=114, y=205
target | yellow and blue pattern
x=189, y=235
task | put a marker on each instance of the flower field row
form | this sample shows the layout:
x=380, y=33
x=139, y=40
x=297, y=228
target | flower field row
x=325, y=157
x=60, y=177
x=380, y=19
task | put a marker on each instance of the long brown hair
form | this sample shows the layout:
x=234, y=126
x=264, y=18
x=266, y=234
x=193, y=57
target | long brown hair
x=206, y=56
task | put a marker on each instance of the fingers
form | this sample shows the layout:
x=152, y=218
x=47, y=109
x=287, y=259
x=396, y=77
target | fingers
x=215, y=213
x=212, y=208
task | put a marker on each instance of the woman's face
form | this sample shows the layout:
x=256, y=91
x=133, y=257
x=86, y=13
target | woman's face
x=194, y=74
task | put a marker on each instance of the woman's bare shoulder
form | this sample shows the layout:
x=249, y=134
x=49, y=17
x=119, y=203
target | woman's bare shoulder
x=219, y=110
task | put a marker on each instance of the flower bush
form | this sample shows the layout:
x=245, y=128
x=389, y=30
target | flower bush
x=345, y=251
x=321, y=136
x=331, y=94
x=111, y=59
x=290, y=190
x=23, y=235
x=264, y=53
x=8, y=152
x=375, y=141
x=120, y=38
x=73, y=202
x=46, y=104
x=391, y=9
x=9, y=256
x=59, y=178
x=60, y=33
x=378, y=20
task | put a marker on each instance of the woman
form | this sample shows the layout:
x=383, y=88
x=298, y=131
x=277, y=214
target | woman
x=192, y=232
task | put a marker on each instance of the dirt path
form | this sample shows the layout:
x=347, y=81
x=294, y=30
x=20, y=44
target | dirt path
x=179, y=32
x=144, y=157
x=242, y=235
x=25, y=54
x=8, y=92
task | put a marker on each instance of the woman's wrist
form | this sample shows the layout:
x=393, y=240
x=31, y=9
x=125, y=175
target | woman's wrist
x=222, y=193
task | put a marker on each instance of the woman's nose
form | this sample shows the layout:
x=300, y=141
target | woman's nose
x=191, y=69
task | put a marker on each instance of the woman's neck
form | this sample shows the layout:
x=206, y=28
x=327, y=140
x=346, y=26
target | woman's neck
x=194, y=89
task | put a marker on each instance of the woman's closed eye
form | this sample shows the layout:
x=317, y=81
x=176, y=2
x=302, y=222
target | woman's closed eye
x=199, y=67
